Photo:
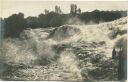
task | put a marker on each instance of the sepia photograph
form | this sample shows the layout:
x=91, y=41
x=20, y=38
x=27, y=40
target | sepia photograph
x=61, y=40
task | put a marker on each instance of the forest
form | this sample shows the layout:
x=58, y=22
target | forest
x=16, y=23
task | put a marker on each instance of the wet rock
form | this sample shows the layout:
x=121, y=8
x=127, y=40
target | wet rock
x=63, y=32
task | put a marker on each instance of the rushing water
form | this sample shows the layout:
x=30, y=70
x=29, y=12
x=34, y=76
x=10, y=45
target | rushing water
x=37, y=55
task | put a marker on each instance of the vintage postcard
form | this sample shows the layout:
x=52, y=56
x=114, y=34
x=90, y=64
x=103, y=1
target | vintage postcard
x=60, y=40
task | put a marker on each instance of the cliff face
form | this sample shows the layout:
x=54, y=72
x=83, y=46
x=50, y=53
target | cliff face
x=69, y=52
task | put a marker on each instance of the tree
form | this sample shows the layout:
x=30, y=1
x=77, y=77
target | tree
x=32, y=22
x=15, y=24
x=1, y=29
x=73, y=9
x=41, y=19
x=56, y=20
x=79, y=11
x=58, y=10
x=46, y=11
x=96, y=16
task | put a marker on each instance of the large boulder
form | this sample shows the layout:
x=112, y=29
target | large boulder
x=63, y=32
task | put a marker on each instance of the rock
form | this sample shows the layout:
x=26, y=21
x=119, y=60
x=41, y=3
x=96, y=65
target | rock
x=63, y=32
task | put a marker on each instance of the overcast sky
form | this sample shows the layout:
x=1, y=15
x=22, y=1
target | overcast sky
x=35, y=7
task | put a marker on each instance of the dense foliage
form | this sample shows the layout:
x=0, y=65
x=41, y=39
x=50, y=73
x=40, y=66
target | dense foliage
x=16, y=23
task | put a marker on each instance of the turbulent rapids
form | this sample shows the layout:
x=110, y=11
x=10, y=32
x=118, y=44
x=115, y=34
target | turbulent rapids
x=68, y=52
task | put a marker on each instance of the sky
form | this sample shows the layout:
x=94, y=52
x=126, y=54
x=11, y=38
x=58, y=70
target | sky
x=35, y=7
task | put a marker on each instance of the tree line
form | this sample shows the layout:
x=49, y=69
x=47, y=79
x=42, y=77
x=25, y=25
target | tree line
x=16, y=23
